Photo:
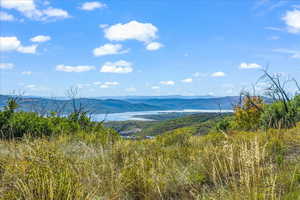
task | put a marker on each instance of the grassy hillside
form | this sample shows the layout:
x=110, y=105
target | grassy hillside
x=244, y=165
x=200, y=123
x=196, y=121
x=253, y=154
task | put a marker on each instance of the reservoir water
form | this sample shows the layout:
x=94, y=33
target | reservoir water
x=132, y=115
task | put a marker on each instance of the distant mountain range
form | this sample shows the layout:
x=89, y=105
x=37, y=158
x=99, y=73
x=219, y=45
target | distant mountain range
x=136, y=97
x=155, y=97
x=130, y=104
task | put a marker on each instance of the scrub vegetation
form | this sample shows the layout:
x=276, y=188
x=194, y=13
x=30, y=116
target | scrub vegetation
x=252, y=154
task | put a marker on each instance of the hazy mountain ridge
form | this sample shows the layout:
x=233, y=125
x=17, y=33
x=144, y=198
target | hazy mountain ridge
x=98, y=106
x=216, y=103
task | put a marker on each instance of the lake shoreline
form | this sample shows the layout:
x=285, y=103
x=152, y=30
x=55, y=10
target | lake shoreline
x=142, y=115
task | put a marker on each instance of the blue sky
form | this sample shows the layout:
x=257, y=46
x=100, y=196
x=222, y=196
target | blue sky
x=149, y=47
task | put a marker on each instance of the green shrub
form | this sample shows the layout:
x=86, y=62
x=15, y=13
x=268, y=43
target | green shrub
x=223, y=125
x=247, y=115
x=178, y=137
x=276, y=115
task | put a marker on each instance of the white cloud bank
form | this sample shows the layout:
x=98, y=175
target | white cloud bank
x=167, y=82
x=249, y=66
x=120, y=67
x=6, y=66
x=40, y=38
x=13, y=44
x=292, y=20
x=218, y=74
x=79, y=68
x=29, y=9
x=109, y=49
x=89, y=6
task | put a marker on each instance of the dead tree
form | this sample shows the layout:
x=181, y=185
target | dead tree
x=276, y=88
x=78, y=109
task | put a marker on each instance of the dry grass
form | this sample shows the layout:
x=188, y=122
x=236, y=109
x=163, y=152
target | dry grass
x=242, y=166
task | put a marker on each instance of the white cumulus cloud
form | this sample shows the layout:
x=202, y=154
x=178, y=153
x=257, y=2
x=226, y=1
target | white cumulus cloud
x=21, y=5
x=9, y=43
x=4, y=16
x=29, y=9
x=88, y=6
x=55, y=13
x=218, y=74
x=40, y=38
x=79, y=68
x=133, y=30
x=187, y=80
x=249, y=66
x=28, y=49
x=109, y=49
x=6, y=65
x=292, y=20
x=153, y=46
x=13, y=44
x=167, y=82
x=121, y=67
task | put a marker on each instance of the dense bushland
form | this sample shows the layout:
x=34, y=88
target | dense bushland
x=14, y=125
x=253, y=114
